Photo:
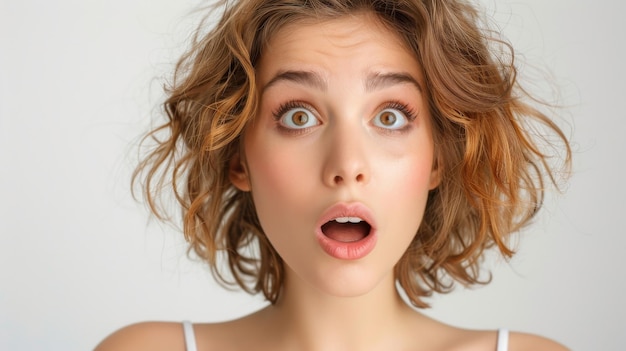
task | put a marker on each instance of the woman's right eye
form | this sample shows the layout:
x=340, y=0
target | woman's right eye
x=298, y=118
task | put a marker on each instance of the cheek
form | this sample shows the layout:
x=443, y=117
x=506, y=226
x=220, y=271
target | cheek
x=407, y=186
x=282, y=191
x=409, y=175
x=280, y=183
x=277, y=172
x=420, y=180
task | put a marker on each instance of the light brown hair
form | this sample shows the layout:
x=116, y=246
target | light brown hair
x=493, y=169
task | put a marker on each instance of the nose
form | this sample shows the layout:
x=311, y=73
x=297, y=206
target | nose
x=346, y=159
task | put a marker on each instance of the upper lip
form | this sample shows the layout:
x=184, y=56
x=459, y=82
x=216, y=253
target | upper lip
x=347, y=209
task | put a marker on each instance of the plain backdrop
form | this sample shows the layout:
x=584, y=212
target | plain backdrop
x=80, y=81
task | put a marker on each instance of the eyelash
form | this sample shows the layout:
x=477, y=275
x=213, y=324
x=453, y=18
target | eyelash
x=289, y=105
x=410, y=113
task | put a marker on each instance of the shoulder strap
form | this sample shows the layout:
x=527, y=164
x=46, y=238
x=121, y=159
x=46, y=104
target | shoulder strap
x=190, y=337
x=503, y=340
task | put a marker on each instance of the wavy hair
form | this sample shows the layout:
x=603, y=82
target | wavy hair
x=488, y=141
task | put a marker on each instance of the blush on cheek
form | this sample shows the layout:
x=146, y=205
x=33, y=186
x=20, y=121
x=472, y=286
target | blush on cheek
x=410, y=186
x=281, y=182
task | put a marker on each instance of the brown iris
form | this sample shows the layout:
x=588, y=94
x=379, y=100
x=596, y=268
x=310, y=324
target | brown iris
x=300, y=118
x=388, y=118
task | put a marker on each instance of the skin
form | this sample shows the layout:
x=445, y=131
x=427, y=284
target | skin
x=338, y=144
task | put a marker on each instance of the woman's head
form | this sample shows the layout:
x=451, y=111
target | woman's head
x=342, y=131
x=488, y=167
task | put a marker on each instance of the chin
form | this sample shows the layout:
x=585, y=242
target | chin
x=352, y=280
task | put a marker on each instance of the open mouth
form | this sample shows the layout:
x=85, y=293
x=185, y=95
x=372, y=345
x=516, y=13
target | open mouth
x=346, y=229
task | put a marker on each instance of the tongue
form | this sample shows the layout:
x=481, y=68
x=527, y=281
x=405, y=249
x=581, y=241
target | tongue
x=346, y=232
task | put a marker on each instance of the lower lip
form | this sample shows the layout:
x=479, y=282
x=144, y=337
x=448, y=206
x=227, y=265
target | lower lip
x=350, y=250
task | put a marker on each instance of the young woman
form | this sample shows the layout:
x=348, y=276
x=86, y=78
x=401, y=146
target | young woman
x=335, y=151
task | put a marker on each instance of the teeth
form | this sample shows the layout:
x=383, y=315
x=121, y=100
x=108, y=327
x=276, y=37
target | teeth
x=348, y=219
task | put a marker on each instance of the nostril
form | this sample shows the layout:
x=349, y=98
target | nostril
x=359, y=178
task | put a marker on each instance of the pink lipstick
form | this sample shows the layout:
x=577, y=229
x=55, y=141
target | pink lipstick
x=347, y=231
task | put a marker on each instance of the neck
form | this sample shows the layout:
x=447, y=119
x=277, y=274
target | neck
x=315, y=320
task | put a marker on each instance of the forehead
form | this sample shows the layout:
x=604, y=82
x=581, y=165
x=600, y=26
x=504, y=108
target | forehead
x=357, y=40
x=346, y=29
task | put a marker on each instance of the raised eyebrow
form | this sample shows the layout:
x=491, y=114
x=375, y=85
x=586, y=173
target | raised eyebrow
x=376, y=81
x=309, y=78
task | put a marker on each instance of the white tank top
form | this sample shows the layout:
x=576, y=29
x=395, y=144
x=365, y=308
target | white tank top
x=190, y=338
x=503, y=340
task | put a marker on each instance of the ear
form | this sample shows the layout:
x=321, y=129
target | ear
x=435, y=174
x=238, y=173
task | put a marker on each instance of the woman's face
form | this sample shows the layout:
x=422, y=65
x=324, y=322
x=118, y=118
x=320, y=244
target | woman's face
x=339, y=159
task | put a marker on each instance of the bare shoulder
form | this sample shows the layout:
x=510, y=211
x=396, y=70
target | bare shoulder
x=524, y=342
x=458, y=339
x=149, y=336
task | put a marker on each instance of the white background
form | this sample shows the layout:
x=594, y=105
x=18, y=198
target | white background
x=79, y=258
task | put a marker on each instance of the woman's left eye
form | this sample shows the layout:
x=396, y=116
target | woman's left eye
x=391, y=118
